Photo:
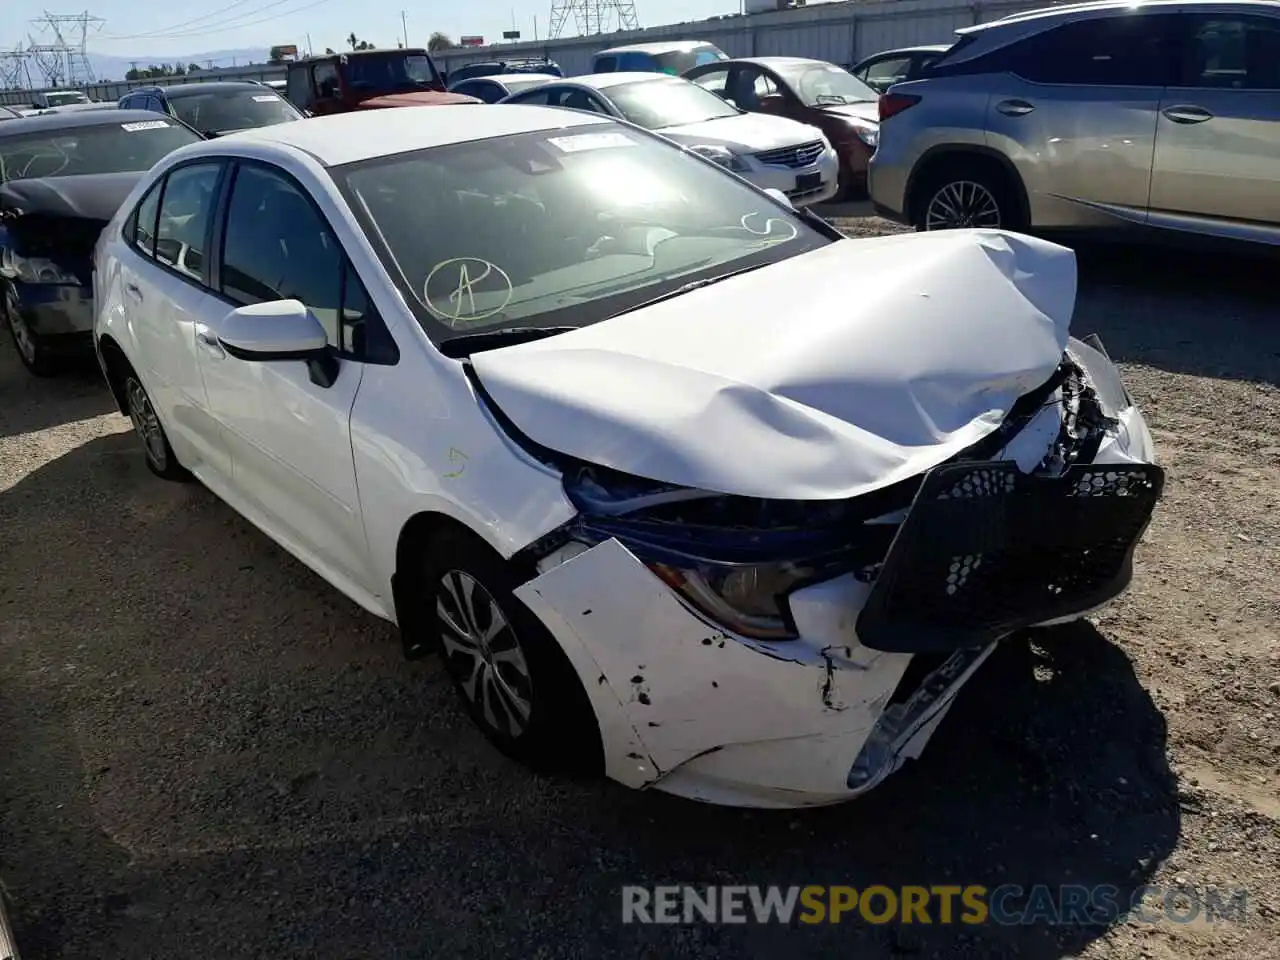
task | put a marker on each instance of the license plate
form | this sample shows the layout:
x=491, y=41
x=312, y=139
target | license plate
x=809, y=181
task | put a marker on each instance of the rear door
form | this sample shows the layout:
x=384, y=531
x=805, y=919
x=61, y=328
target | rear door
x=1217, y=157
x=1075, y=110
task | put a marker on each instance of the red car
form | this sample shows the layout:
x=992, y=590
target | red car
x=812, y=91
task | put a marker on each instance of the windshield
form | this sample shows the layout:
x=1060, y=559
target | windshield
x=226, y=110
x=818, y=84
x=677, y=62
x=563, y=227
x=100, y=148
x=655, y=104
x=403, y=71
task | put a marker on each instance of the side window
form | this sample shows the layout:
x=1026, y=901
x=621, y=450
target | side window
x=141, y=229
x=717, y=81
x=277, y=246
x=325, y=76
x=885, y=73
x=923, y=63
x=1233, y=52
x=605, y=65
x=297, y=87
x=581, y=100
x=1128, y=50
x=640, y=62
x=706, y=56
x=186, y=207
x=488, y=91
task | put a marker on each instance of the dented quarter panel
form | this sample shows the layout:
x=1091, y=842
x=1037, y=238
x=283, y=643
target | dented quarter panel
x=828, y=375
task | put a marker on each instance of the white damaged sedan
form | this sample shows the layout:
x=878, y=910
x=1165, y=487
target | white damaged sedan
x=681, y=484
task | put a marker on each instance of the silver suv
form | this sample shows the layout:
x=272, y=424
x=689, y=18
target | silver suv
x=1100, y=115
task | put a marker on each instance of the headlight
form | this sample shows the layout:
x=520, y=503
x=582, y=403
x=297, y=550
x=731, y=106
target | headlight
x=721, y=155
x=33, y=269
x=1104, y=376
x=868, y=135
x=749, y=600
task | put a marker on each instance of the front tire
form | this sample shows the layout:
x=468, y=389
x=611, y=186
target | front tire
x=510, y=673
x=962, y=196
x=159, y=454
x=32, y=350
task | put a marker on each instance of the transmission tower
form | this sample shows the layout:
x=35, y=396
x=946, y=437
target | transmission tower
x=14, y=72
x=593, y=16
x=65, y=57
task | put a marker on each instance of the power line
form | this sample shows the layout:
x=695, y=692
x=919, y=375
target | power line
x=178, y=26
x=230, y=26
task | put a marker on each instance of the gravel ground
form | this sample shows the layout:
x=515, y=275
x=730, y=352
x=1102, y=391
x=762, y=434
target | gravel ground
x=207, y=752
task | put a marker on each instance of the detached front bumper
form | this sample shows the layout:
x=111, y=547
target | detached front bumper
x=60, y=314
x=685, y=707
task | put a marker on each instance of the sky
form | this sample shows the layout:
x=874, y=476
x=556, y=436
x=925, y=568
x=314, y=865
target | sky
x=140, y=28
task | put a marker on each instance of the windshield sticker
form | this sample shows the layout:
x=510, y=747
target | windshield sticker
x=769, y=229
x=453, y=286
x=590, y=141
x=265, y=98
x=144, y=125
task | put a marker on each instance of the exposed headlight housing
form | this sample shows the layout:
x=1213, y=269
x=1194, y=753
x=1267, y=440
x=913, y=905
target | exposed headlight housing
x=34, y=269
x=868, y=135
x=748, y=600
x=1104, y=375
x=721, y=155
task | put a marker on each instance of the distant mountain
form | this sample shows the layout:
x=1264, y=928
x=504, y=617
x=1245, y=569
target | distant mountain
x=107, y=67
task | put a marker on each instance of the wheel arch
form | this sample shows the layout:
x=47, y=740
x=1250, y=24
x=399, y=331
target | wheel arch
x=115, y=365
x=934, y=158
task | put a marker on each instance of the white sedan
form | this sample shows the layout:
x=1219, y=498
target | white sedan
x=606, y=429
x=774, y=153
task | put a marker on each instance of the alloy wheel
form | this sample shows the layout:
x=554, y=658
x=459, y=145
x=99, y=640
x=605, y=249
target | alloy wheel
x=961, y=204
x=146, y=423
x=484, y=653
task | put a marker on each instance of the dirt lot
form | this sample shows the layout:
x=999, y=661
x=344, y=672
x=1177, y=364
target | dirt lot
x=207, y=752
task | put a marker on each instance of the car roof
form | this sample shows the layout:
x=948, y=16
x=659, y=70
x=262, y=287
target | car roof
x=778, y=61
x=379, y=51
x=661, y=46
x=179, y=90
x=603, y=81
x=899, y=51
x=1070, y=11
x=80, y=118
x=365, y=134
x=503, y=78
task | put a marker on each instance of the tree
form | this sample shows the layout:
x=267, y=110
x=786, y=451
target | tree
x=329, y=51
x=193, y=68
x=440, y=41
x=276, y=55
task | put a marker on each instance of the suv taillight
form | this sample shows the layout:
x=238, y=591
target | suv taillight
x=892, y=104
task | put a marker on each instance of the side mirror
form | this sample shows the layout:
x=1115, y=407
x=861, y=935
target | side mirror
x=781, y=197
x=276, y=330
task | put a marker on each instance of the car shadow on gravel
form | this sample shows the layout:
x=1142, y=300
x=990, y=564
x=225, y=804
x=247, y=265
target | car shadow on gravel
x=1210, y=314
x=210, y=753
x=29, y=403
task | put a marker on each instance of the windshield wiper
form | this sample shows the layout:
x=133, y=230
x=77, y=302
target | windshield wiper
x=688, y=288
x=466, y=344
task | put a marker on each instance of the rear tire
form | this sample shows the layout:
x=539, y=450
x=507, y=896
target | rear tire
x=160, y=458
x=964, y=194
x=511, y=675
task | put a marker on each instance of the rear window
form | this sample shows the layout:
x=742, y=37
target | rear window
x=390, y=73
x=678, y=61
x=123, y=147
x=227, y=110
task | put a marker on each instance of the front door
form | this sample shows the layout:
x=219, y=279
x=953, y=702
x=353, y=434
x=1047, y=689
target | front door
x=289, y=435
x=1217, y=159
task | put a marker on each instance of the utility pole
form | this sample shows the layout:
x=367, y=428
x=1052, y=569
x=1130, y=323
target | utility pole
x=404, y=28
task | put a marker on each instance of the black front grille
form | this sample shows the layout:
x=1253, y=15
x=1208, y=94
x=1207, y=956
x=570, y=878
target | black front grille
x=986, y=550
x=794, y=157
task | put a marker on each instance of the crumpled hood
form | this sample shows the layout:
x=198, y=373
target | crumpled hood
x=91, y=196
x=423, y=98
x=752, y=131
x=828, y=375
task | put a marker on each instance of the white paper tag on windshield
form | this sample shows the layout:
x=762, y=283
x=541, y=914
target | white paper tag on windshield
x=145, y=125
x=590, y=141
x=265, y=98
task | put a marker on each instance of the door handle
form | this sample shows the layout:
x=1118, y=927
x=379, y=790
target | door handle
x=133, y=291
x=1186, y=113
x=208, y=340
x=1015, y=108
